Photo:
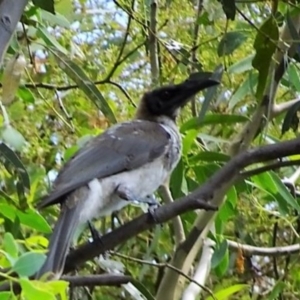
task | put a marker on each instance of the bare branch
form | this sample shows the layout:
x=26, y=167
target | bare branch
x=177, y=223
x=264, y=251
x=269, y=167
x=97, y=280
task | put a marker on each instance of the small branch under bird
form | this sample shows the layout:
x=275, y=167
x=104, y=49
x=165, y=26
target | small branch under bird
x=128, y=162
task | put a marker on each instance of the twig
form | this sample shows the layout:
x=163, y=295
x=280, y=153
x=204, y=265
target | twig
x=118, y=60
x=269, y=167
x=164, y=265
x=153, y=44
x=194, y=49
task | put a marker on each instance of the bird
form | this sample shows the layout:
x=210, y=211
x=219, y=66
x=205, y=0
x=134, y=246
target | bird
x=126, y=163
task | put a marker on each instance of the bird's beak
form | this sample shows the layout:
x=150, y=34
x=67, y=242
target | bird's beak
x=191, y=87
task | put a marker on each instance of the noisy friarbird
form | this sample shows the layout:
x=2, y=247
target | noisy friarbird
x=127, y=162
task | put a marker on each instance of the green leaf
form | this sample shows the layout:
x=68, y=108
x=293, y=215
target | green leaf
x=177, y=179
x=188, y=140
x=283, y=191
x=16, y=162
x=277, y=289
x=84, y=83
x=241, y=66
x=29, y=263
x=229, y=8
x=30, y=290
x=222, y=119
x=8, y=211
x=10, y=245
x=265, y=45
x=34, y=220
x=293, y=76
x=26, y=95
x=65, y=8
x=219, y=253
x=243, y=90
x=55, y=20
x=271, y=183
x=50, y=40
x=59, y=287
x=210, y=92
x=205, y=171
x=230, y=42
x=12, y=137
x=143, y=290
x=225, y=294
x=222, y=267
x=227, y=210
x=291, y=119
x=209, y=156
x=47, y=5
x=293, y=31
x=7, y=296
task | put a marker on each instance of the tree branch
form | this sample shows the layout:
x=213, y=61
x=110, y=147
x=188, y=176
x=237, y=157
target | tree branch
x=97, y=280
x=264, y=251
x=206, y=193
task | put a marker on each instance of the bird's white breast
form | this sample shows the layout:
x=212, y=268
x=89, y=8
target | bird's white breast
x=144, y=181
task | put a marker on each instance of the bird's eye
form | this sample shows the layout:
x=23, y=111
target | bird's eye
x=166, y=94
x=159, y=104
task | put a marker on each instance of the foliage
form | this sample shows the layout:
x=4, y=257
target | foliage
x=88, y=63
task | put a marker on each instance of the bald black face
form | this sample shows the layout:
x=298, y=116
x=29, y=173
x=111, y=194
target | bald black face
x=159, y=101
x=168, y=100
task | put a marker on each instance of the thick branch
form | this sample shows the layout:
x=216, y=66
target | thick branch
x=207, y=192
x=97, y=280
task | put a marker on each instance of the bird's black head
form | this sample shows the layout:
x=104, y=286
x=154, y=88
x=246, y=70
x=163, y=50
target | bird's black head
x=167, y=100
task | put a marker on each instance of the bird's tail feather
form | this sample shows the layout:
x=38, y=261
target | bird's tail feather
x=60, y=241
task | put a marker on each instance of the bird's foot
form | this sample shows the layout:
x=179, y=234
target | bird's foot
x=127, y=195
x=152, y=214
x=96, y=236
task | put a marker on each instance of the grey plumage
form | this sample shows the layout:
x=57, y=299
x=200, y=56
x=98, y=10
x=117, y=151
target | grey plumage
x=129, y=160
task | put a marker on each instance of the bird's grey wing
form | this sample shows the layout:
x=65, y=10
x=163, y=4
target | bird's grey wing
x=122, y=147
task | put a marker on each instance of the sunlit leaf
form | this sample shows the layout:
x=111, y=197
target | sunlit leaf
x=10, y=245
x=225, y=293
x=34, y=220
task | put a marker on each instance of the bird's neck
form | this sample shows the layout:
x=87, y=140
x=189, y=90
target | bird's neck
x=163, y=120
